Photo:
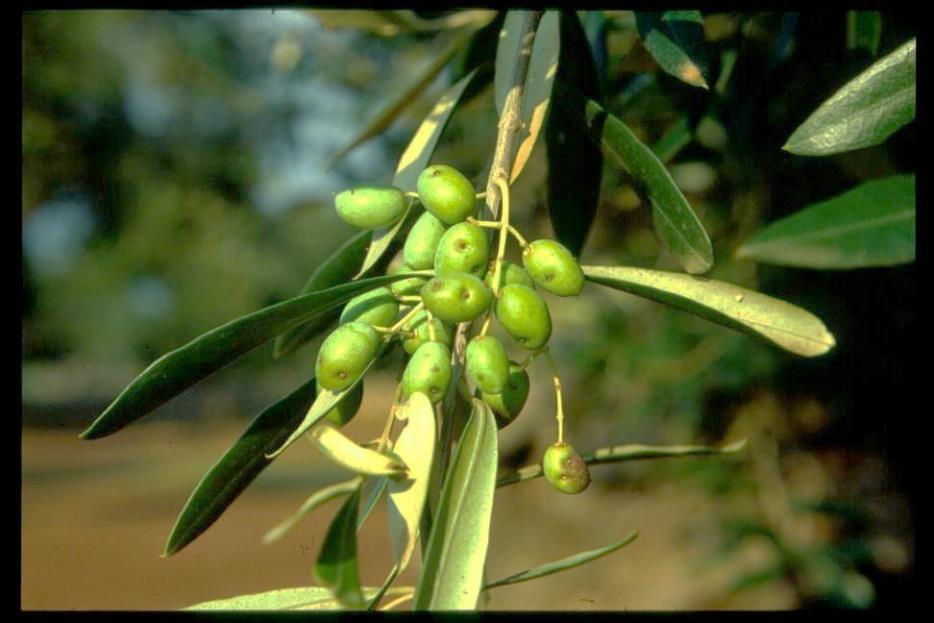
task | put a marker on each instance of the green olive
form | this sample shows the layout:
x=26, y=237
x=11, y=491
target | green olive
x=444, y=332
x=345, y=354
x=487, y=364
x=509, y=273
x=523, y=313
x=347, y=408
x=565, y=469
x=422, y=242
x=508, y=403
x=446, y=193
x=370, y=207
x=553, y=267
x=457, y=297
x=405, y=287
x=377, y=307
x=428, y=371
x=464, y=248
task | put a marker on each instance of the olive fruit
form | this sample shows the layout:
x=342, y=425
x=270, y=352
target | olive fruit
x=509, y=273
x=444, y=332
x=347, y=408
x=523, y=313
x=553, y=267
x=457, y=297
x=508, y=403
x=446, y=193
x=377, y=307
x=370, y=207
x=487, y=364
x=422, y=242
x=405, y=287
x=428, y=371
x=464, y=248
x=345, y=354
x=565, y=469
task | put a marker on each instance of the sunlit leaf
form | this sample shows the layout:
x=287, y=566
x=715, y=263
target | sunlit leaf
x=506, y=54
x=238, y=467
x=863, y=31
x=170, y=375
x=452, y=571
x=373, y=490
x=336, y=567
x=343, y=451
x=565, y=563
x=313, y=501
x=337, y=269
x=675, y=39
x=870, y=225
x=406, y=496
x=865, y=111
x=788, y=326
x=298, y=598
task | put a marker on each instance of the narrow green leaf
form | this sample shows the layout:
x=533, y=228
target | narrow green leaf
x=452, y=572
x=675, y=39
x=675, y=138
x=298, y=598
x=170, y=375
x=383, y=23
x=313, y=501
x=239, y=467
x=678, y=227
x=863, y=31
x=575, y=163
x=865, y=111
x=414, y=159
x=406, y=495
x=390, y=578
x=788, y=326
x=565, y=563
x=872, y=224
x=506, y=54
x=336, y=567
x=338, y=268
x=374, y=490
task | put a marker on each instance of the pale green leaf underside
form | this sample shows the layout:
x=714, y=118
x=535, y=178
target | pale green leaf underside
x=298, y=598
x=313, y=501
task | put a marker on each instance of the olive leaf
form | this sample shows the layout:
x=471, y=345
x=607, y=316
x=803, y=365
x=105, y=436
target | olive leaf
x=336, y=566
x=675, y=138
x=788, y=326
x=298, y=598
x=348, y=454
x=863, y=31
x=313, y=501
x=507, y=51
x=675, y=39
x=865, y=111
x=374, y=488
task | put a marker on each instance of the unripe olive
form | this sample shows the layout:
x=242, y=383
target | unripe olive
x=428, y=371
x=443, y=331
x=553, y=267
x=446, y=193
x=565, y=469
x=509, y=273
x=457, y=297
x=347, y=408
x=370, y=207
x=523, y=313
x=508, y=403
x=345, y=354
x=487, y=364
x=422, y=242
x=464, y=248
x=377, y=307
x=405, y=287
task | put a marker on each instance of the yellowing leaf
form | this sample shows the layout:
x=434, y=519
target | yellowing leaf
x=346, y=453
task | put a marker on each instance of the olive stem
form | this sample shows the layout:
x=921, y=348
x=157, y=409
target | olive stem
x=503, y=187
x=431, y=327
x=398, y=326
x=408, y=299
x=559, y=416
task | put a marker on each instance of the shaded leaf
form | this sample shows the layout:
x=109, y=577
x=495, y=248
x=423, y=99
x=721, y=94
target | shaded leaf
x=865, y=111
x=675, y=138
x=506, y=54
x=575, y=163
x=452, y=571
x=383, y=23
x=338, y=268
x=342, y=450
x=336, y=567
x=675, y=39
x=374, y=601
x=374, y=488
x=870, y=225
x=863, y=31
x=565, y=563
x=238, y=467
x=171, y=374
x=313, y=501
x=788, y=326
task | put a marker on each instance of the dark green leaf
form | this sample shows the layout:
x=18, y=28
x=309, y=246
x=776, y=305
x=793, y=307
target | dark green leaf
x=336, y=567
x=339, y=268
x=239, y=466
x=675, y=39
x=863, y=31
x=506, y=54
x=374, y=486
x=788, y=326
x=870, y=225
x=313, y=501
x=181, y=368
x=865, y=111
x=565, y=563
x=575, y=163
x=451, y=576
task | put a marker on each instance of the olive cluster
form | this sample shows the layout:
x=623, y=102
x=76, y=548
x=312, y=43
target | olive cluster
x=422, y=312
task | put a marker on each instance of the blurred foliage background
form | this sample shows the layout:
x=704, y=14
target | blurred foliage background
x=174, y=176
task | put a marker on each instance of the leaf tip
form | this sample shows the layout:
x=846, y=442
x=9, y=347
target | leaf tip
x=736, y=446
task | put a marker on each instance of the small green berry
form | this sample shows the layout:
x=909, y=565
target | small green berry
x=405, y=287
x=428, y=371
x=487, y=364
x=457, y=297
x=510, y=273
x=565, y=469
x=370, y=207
x=347, y=408
x=422, y=242
x=444, y=332
x=446, y=193
x=508, y=403
x=378, y=307
x=464, y=248
x=523, y=313
x=553, y=267
x=345, y=354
